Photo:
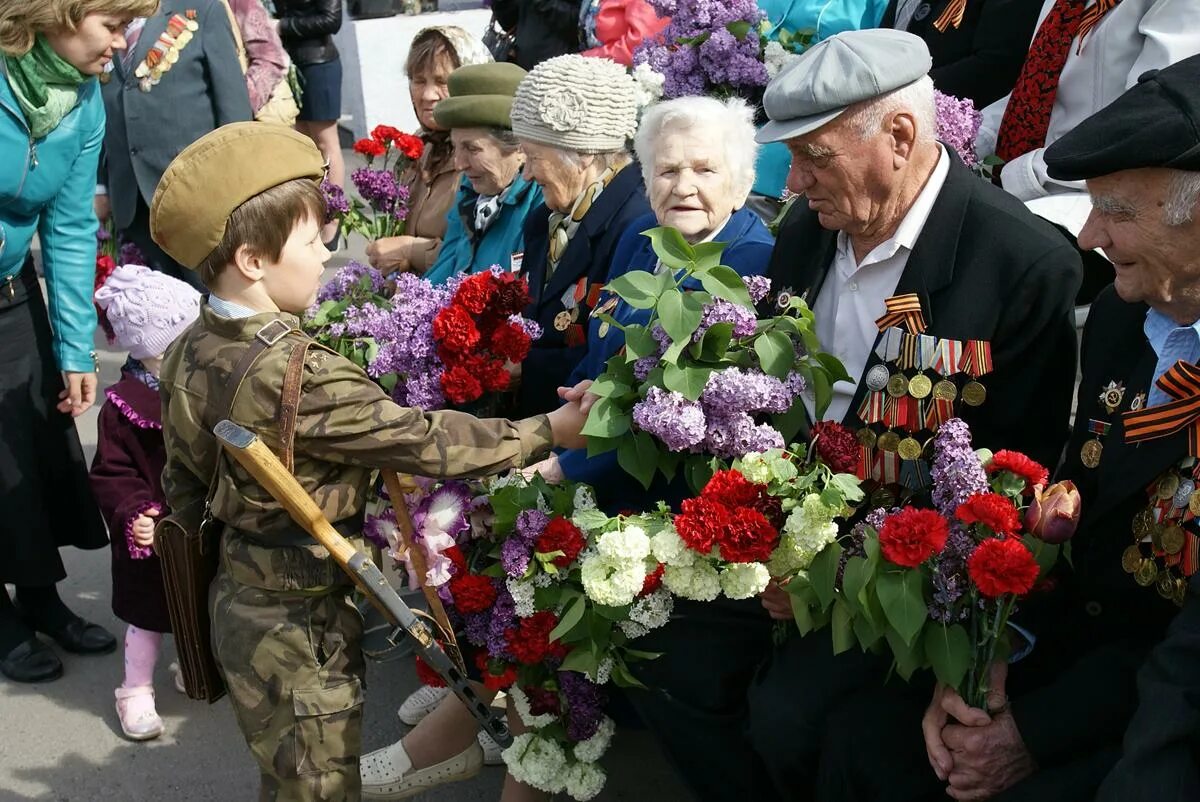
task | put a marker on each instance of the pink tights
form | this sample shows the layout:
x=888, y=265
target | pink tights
x=141, y=653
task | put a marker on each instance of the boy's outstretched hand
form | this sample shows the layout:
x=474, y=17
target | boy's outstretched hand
x=565, y=423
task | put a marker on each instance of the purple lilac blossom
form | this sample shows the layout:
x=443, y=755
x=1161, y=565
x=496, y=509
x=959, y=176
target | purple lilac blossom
x=643, y=366
x=130, y=254
x=745, y=321
x=957, y=125
x=336, y=202
x=758, y=287
x=347, y=279
x=476, y=626
x=530, y=525
x=736, y=435
x=515, y=555
x=737, y=390
x=956, y=471
x=382, y=191
x=503, y=618
x=720, y=63
x=671, y=418
x=585, y=701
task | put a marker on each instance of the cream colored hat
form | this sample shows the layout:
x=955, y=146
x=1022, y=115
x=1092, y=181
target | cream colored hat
x=588, y=105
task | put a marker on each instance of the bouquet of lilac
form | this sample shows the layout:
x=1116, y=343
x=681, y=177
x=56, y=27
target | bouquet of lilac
x=704, y=379
x=957, y=125
x=384, y=205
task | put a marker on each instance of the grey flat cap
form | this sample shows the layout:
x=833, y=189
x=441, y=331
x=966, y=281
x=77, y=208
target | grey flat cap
x=838, y=72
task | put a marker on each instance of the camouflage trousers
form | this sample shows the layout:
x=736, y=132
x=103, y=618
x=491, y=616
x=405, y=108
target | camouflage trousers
x=287, y=638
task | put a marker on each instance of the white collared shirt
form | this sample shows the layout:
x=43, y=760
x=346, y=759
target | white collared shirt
x=853, y=294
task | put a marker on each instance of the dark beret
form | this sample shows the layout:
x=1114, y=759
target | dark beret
x=1156, y=123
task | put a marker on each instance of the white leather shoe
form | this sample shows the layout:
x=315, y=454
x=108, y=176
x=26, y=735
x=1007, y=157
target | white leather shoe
x=421, y=703
x=387, y=773
x=491, y=750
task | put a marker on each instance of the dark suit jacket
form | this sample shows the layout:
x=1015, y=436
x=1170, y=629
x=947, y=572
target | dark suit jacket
x=543, y=28
x=1076, y=692
x=986, y=269
x=981, y=58
x=589, y=256
x=204, y=90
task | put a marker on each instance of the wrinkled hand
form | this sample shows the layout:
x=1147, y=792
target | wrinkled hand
x=79, y=394
x=777, y=602
x=981, y=755
x=102, y=207
x=390, y=254
x=579, y=393
x=549, y=469
x=143, y=527
x=565, y=423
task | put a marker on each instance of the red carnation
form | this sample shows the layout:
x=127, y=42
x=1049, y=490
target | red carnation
x=457, y=559
x=509, y=341
x=512, y=294
x=1002, y=565
x=385, y=134
x=911, y=536
x=460, y=386
x=454, y=330
x=411, y=146
x=491, y=680
x=1016, y=462
x=529, y=641
x=652, y=582
x=748, y=538
x=472, y=593
x=495, y=377
x=837, y=446
x=701, y=522
x=561, y=535
x=771, y=507
x=992, y=510
x=732, y=489
x=475, y=293
x=427, y=676
x=369, y=148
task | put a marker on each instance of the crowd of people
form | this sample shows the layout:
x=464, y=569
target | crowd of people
x=200, y=132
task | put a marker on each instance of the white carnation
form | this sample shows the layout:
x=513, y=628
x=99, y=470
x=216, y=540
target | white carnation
x=611, y=582
x=593, y=748
x=525, y=713
x=744, y=580
x=698, y=581
x=627, y=545
x=584, y=781
x=669, y=549
x=536, y=761
x=522, y=594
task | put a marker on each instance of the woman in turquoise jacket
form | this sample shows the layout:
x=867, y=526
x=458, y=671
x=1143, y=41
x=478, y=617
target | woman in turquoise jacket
x=51, y=128
x=485, y=226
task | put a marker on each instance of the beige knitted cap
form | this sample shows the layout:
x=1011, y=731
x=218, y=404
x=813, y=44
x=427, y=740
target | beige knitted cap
x=588, y=105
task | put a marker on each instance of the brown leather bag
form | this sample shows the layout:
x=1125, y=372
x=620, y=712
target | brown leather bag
x=188, y=540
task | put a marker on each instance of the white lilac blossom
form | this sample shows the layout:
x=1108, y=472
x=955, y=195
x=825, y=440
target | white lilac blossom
x=522, y=595
x=521, y=703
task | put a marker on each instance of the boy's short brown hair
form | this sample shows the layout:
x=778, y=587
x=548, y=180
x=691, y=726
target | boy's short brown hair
x=263, y=224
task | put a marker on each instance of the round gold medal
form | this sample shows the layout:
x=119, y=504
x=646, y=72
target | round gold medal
x=1194, y=503
x=974, y=394
x=866, y=437
x=897, y=386
x=1146, y=573
x=1090, y=453
x=1165, y=586
x=945, y=390
x=920, y=386
x=1131, y=558
x=1156, y=533
x=909, y=448
x=1173, y=538
x=1179, y=592
x=562, y=321
x=1143, y=522
x=1167, y=486
x=888, y=441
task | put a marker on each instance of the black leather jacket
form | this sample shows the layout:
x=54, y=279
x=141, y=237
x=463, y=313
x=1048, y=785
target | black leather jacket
x=307, y=27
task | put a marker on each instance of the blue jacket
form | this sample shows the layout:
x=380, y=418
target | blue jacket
x=462, y=253
x=46, y=187
x=749, y=252
x=824, y=18
x=583, y=268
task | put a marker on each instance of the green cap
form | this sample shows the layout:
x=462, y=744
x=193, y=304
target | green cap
x=481, y=96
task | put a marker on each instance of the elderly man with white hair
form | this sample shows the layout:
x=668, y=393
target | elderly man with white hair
x=891, y=230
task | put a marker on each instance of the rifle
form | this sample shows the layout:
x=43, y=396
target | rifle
x=269, y=472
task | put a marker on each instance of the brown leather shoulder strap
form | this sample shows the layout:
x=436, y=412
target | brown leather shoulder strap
x=289, y=401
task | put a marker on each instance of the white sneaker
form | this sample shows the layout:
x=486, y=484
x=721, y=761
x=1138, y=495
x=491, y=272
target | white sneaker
x=491, y=750
x=388, y=773
x=421, y=703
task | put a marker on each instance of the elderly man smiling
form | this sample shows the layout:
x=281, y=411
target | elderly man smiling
x=890, y=219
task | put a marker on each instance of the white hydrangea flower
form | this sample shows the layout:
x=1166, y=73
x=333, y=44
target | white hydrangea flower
x=584, y=781
x=522, y=594
x=755, y=468
x=698, y=581
x=649, y=84
x=744, y=580
x=669, y=549
x=797, y=551
x=811, y=515
x=627, y=545
x=653, y=610
x=525, y=713
x=536, y=761
x=593, y=748
x=612, y=582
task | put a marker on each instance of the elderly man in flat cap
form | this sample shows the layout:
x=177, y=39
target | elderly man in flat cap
x=889, y=217
x=1132, y=455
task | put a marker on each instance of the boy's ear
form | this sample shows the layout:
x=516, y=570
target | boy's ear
x=248, y=263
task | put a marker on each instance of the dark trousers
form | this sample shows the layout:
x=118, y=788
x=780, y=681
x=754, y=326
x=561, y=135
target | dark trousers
x=139, y=234
x=696, y=705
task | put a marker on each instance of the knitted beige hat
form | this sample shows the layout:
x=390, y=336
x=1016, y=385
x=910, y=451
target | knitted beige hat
x=588, y=105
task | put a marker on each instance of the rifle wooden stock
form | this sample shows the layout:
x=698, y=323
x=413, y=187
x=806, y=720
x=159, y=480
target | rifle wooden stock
x=268, y=471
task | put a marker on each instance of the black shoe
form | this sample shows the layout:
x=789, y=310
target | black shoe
x=31, y=661
x=81, y=637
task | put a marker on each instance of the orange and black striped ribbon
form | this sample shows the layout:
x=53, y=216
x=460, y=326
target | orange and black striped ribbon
x=951, y=16
x=1182, y=383
x=1091, y=18
x=903, y=309
x=976, y=358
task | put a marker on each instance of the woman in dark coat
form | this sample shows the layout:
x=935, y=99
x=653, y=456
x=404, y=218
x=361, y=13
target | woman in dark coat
x=542, y=28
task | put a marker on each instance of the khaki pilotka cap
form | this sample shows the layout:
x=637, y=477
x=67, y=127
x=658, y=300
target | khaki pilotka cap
x=218, y=173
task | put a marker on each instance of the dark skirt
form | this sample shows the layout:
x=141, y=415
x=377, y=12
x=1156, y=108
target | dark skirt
x=45, y=500
x=138, y=595
x=321, y=100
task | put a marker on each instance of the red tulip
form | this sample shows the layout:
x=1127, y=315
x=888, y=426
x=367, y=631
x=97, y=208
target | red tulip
x=1053, y=514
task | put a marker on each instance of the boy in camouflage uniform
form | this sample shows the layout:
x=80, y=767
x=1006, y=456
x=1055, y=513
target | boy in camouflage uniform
x=242, y=205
